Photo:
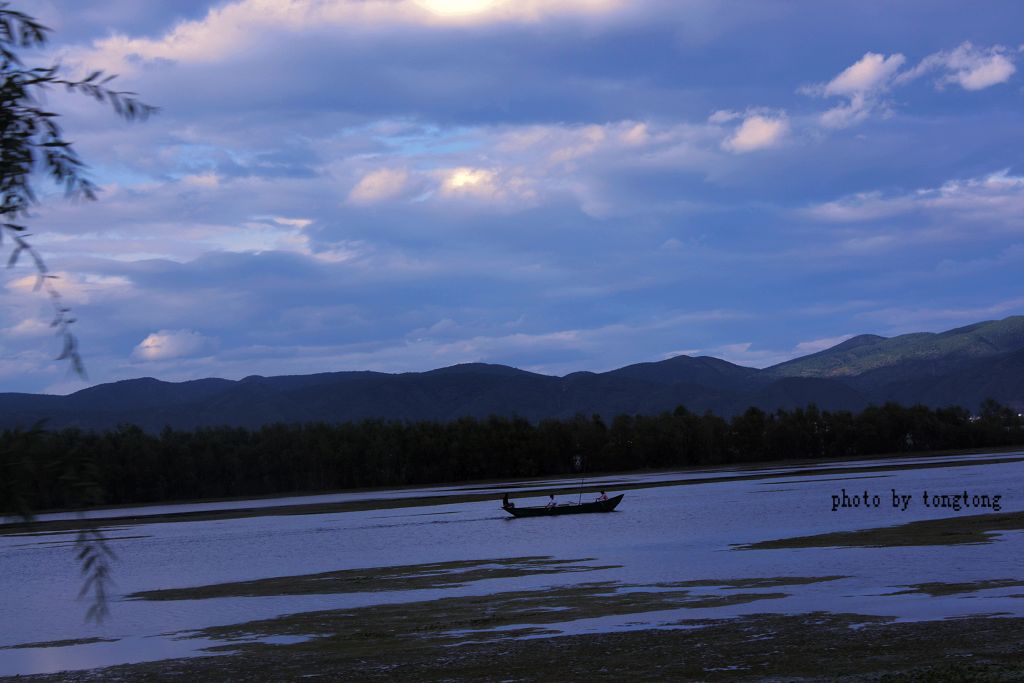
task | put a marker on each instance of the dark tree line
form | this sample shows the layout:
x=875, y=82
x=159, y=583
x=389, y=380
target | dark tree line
x=48, y=470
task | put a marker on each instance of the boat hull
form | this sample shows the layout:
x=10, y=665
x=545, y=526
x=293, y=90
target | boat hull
x=571, y=509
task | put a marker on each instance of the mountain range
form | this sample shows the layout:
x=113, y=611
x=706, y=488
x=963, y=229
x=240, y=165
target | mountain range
x=961, y=367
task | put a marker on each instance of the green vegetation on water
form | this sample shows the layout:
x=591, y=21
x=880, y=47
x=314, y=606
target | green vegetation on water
x=401, y=578
x=512, y=637
x=945, y=531
x=937, y=588
x=436, y=575
x=59, y=643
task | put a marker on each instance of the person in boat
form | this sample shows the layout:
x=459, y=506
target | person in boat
x=551, y=501
x=506, y=503
x=601, y=498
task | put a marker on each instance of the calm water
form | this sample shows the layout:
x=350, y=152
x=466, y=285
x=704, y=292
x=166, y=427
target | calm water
x=662, y=534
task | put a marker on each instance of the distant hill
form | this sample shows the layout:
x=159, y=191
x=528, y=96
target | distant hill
x=959, y=367
x=937, y=352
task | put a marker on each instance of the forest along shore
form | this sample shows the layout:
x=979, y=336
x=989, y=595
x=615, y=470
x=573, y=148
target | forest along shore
x=128, y=466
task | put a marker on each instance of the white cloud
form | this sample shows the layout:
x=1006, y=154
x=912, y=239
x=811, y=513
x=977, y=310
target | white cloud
x=167, y=344
x=467, y=181
x=77, y=288
x=815, y=345
x=563, y=146
x=863, y=83
x=230, y=29
x=866, y=82
x=744, y=353
x=976, y=210
x=378, y=186
x=845, y=115
x=757, y=132
x=970, y=67
x=487, y=185
x=906, y=319
x=30, y=327
x=870, y=73
x=300, y=223
x=992, y=70
x=724, y=116
x=38, y=362
x=995, y=201
x=524, y=166
x=481, y=11
x=205, y=180
x=862, y=206
x=637, y=135
x=579, y=143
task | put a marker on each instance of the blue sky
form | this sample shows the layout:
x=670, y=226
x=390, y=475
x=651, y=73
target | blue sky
x=558, y=185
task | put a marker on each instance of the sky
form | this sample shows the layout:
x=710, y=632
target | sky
x=556, y=185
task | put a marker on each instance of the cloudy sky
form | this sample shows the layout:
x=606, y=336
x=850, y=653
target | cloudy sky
x=558, y=185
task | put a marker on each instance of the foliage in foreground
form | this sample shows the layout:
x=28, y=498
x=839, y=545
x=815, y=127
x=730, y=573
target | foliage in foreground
x=32, y=144
x=127, y=465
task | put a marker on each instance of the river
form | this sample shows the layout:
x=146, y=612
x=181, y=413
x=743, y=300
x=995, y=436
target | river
x=662, y=533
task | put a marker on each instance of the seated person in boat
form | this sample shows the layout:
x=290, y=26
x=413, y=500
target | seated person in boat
x=551, y=501
x=602, y=497
x=506, y=503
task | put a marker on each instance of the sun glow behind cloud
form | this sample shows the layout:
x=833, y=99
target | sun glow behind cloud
x=448, y=7
x=518, y=10
x=235, y=27
x=467, y=179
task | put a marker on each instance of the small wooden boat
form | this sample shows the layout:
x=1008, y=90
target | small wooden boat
x=566, y=509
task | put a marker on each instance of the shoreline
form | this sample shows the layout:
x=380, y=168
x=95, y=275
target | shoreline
x=757, y=464
x=798, y=468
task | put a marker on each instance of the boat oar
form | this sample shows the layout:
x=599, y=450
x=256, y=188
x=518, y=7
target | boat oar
x=577, y=460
